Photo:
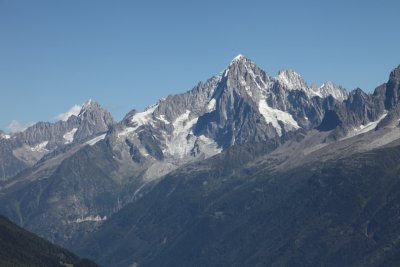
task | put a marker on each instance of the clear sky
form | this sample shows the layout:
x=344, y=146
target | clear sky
x=128, y=54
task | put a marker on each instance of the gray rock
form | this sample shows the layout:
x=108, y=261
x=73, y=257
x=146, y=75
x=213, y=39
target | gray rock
x=26, y=148
x=361, y=109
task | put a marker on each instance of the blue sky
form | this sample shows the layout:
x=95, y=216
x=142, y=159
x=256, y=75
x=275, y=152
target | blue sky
x=128, y=54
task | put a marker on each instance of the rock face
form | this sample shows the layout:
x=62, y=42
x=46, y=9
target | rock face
x=389, y=93
x=24, y=149
x=93, y=120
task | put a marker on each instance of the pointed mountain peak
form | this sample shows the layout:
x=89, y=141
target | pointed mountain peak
x=92, y=106
x=330, y=88
x=4, y=135
x=395, y=74
x=358, y=92
x=94, y=119
x=89, y=104
x=241, y=63
x=79, y=110
x=243, y=70
x=288, y=74
x=239, y=59
x=291, y=79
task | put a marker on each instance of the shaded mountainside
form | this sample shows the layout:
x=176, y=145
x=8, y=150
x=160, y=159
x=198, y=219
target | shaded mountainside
x=230, y=213
x=22, y=248
x=76, y=196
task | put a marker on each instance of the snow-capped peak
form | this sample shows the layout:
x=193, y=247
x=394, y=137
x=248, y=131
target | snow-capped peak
x=395, y=74
x=329, y=88
x=88, y=103
x=238, y=58
x=291, y=79
x=76, y=110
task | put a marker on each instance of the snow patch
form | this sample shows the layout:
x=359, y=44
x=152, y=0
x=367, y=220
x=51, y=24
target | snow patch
x=41, y=147
x=163, y=119
x=93, y=141
x=69, y=136
x=126, y=131
x=182, y=139
x=5, y=136
x=315, y=91
x=208, y=146
x=182, y=142
x=291, y=79
x=144, y=117
x=211, y=105
x=369, y=126
x=138, y=190
x=141, y=118
x=226, y=73
x=238, y=58
x=91, y=218
x=87, y=103
x=254, y=77
x=273, y=116
x=387, y=138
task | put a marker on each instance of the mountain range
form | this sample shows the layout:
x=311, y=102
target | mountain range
x=245, y=169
